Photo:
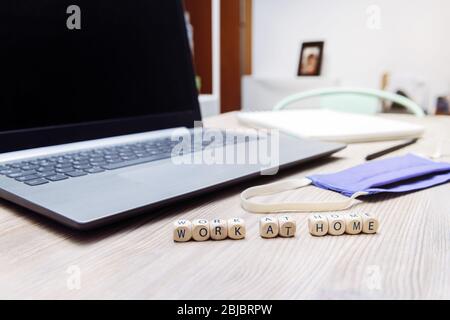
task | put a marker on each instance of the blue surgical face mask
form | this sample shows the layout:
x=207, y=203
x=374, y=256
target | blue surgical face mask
x=393, y=175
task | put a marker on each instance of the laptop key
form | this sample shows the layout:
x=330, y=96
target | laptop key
x=114, y=160
x=36, y=182
x=47, y=173
x=64, y=165
x=26, y=178
x=83, y=166
x=94, y=170
x=9, y=171
x=76, y=173
x=14, y=175
x=20, y=174
x=64, y=170
x=80, y=162
x=29, y=167
x=45, y=169
x=98, y=164
x=57, y=177
x=126, y=158
x=46, y=163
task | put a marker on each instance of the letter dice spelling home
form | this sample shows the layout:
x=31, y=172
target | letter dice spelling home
x=370, y=223
x=336, y=224
x=236, y=228
x=353, y=223
x=182, y=231
x=318, y=225
x=268, y=227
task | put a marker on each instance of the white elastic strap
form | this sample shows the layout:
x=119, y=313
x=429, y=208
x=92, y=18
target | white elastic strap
x=272, y=188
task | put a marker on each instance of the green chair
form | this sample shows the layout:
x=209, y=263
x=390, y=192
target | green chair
x=357, y=100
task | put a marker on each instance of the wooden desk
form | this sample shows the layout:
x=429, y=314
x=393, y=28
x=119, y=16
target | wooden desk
x=408, y=258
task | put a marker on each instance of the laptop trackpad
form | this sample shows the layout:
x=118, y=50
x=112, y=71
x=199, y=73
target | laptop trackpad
x=169, y=179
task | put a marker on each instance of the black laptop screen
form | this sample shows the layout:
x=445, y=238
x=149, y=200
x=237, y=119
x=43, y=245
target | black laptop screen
x=81, y=61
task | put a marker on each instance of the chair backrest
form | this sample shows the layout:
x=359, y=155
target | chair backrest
x=357, y=99
x=350, y=103
x=262, y=93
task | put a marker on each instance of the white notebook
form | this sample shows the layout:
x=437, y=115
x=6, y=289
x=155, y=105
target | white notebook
x=328, y=125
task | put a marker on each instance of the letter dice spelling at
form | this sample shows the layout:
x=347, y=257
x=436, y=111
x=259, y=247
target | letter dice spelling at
x=268, y=227
x=287, y=226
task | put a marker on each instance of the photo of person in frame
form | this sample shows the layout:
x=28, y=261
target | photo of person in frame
x=311, y=59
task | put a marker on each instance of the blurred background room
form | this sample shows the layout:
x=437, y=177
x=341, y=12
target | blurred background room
x=250, y=54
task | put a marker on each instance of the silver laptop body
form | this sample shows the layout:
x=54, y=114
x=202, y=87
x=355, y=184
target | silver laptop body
x=98, y=117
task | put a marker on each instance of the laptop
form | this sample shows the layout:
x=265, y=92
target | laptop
x=96, y=99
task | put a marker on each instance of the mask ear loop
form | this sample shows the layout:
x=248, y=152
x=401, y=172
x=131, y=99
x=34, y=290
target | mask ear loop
x=273, y=188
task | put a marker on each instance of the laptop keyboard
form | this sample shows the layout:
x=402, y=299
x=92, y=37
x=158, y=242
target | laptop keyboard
x=72, y=165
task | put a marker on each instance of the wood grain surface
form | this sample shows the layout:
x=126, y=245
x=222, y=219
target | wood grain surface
x=408, y=259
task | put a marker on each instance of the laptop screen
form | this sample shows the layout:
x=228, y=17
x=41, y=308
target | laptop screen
x=69, y=62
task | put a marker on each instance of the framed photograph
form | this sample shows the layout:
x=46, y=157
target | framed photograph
x=443, y=105
x=311, y=59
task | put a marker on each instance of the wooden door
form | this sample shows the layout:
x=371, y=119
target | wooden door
x=235, y=47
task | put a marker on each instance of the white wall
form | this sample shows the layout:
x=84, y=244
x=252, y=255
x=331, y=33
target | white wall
x=414, y=39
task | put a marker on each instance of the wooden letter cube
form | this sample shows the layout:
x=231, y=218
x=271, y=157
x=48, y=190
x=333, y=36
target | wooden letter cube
x=353, y=223
x=336, y=224
x=200, y=230
x=218, y=229
x=370, y=223
x=236, y=228
x=182, y=231
x=268, y=227
x=318, y=225
x=287, y=226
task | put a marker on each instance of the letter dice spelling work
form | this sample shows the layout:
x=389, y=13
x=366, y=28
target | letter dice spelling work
x=370, y=223
x=182, y=231
x=287, y=226
x=318, y=225
x=353, y=223
x=218, y=229
x=236, y=228
x=200, y=230
x=336, y=224
x=268, y=227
